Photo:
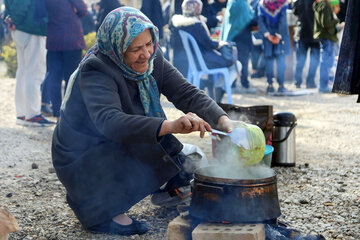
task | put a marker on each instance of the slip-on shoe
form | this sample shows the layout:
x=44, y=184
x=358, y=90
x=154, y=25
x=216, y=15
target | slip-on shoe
x=111, y=227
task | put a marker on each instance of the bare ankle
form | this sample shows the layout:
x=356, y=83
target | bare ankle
x=122, y=219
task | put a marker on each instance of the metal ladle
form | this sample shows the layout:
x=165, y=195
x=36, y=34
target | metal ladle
x=238, y=136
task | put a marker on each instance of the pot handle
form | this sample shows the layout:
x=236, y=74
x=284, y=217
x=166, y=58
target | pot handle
x=287, y=134
x=209, y=192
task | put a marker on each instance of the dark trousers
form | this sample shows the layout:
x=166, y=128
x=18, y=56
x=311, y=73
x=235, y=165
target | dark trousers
x=243, y=57
x=60, y=65
x=45, y=95
x=280, y=68
x=301, y=55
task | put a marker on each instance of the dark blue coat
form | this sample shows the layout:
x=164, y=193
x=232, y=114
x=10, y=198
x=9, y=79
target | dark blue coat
x=281, y=27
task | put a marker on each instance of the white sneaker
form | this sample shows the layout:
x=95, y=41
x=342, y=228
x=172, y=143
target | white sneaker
x=38, y=121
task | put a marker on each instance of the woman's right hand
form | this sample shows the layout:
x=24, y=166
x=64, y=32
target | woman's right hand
x=185, y=124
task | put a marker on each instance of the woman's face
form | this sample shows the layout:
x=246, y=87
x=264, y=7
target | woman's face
x=139, y=52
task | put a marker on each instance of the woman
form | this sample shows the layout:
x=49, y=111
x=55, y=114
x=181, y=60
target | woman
x=113, y=145
x=273, y=26
x=194, y=23
x=237, y=25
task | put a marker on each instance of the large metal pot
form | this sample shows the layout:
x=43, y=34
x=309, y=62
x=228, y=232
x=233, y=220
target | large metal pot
x=219, y=199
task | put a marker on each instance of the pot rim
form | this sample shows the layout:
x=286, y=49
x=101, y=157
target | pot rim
x=229, y=181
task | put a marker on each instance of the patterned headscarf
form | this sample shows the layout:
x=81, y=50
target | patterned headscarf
x=191, y=8
x=272, y=9
x=120, y=27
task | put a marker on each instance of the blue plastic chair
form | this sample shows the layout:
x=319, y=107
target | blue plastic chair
x=194, y=74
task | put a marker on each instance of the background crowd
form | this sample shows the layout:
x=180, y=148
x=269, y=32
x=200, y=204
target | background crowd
x=49, y=41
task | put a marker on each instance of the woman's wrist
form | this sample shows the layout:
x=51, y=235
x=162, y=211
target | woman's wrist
x=165, y=128
x=223, y=122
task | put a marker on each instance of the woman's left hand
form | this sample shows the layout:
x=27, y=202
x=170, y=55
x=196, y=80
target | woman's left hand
x=225, y=124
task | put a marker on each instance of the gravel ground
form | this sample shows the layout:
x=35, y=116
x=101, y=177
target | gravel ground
x=321, y=195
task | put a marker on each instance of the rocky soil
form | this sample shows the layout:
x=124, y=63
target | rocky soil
x=321, y=195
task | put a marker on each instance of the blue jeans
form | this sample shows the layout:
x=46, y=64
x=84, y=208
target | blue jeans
x=327, y=61
x=257, y=58
x=280, y=68
x=301, y=55
x=243, y=57
x=60, y=65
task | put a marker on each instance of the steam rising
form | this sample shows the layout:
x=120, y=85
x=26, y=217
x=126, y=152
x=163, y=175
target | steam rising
x=237, y=172
x=229, y=163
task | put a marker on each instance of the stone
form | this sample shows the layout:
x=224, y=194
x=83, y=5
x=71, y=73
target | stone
x=180, y=228
x=34, y=166
x=216, y=231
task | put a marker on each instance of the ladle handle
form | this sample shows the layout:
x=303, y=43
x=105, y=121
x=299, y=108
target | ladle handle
x=219, y=132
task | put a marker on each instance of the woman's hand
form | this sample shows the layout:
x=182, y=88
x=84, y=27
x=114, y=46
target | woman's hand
x=273, y=39
x=185, y=124
x=225, y=124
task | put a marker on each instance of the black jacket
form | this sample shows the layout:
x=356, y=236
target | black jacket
x=304, y=30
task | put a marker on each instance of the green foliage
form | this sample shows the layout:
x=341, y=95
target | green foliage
x=90, y=40
x=8, y=55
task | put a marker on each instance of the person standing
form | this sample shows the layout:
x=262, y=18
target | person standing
x=237, y=24
x=65, y=41
x=325, y=29
x=273, y=26
x=305, y=41
x=27, y=22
